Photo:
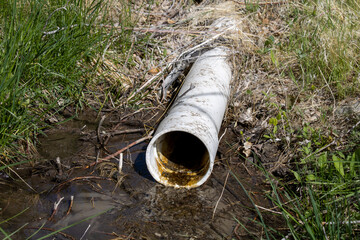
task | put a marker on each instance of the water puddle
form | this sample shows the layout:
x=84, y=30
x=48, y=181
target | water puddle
x=130, y=204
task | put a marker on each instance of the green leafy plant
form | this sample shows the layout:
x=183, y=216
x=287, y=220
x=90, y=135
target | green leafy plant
x=280, y=122
x=274, y=123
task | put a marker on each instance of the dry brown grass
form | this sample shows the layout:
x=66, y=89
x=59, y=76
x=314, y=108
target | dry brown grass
x=262, y=87
x=258, y=35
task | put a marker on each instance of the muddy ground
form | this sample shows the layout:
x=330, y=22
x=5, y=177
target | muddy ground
x=131, y=204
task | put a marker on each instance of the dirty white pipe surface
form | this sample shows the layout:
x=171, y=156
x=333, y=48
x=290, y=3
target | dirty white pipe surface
x=184, y=146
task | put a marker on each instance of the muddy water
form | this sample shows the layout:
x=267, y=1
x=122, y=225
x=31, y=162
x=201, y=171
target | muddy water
x=131, y=204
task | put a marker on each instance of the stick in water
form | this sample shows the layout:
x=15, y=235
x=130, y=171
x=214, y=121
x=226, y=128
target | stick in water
x=56, y=206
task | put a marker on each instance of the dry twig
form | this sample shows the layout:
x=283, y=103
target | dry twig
x=222, y=192
x=53, y=230
x=82, y=178
x=56, y=206
x=167, y=82
x=123, y=149
x=58, y=163
x=70, y=206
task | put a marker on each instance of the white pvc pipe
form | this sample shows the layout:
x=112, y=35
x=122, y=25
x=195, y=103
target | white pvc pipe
x=184, y=146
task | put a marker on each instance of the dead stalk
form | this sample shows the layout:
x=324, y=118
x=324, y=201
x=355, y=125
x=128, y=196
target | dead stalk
x=100, y=140
x=222, y=192
x=268, y=210
x=319, y=150
x=19, y=177
x=87, y=229
x=121, y=156
x=263, y=3
x=332, y=94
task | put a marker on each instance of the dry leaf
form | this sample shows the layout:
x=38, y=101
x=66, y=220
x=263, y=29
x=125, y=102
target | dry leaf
x=246, y=117
x=169, y=21
x=247, y=148
x=154, y=71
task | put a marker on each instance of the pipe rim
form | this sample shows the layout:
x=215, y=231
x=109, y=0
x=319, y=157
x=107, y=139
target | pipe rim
x=152, y=162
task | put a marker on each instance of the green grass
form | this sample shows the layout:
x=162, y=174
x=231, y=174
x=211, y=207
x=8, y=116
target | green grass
x=51, y=54
x=320, y=51
x=324, y=40
x=326, y=204
x=321, y=202
x=59, y=53
x=44, y=45
x=327, y=200
x=320, y=199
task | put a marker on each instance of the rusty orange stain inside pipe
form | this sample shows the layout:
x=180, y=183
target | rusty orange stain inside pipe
x=182, y=159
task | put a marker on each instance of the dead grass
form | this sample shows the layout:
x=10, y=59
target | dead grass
x=268, y=80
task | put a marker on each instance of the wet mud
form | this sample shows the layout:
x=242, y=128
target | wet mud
x=108, y=204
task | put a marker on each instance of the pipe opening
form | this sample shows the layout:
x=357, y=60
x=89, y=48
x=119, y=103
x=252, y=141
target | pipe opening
x=182, y=158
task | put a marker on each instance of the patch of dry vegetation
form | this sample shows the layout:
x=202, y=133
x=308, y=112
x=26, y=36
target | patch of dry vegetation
x=294, y=92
